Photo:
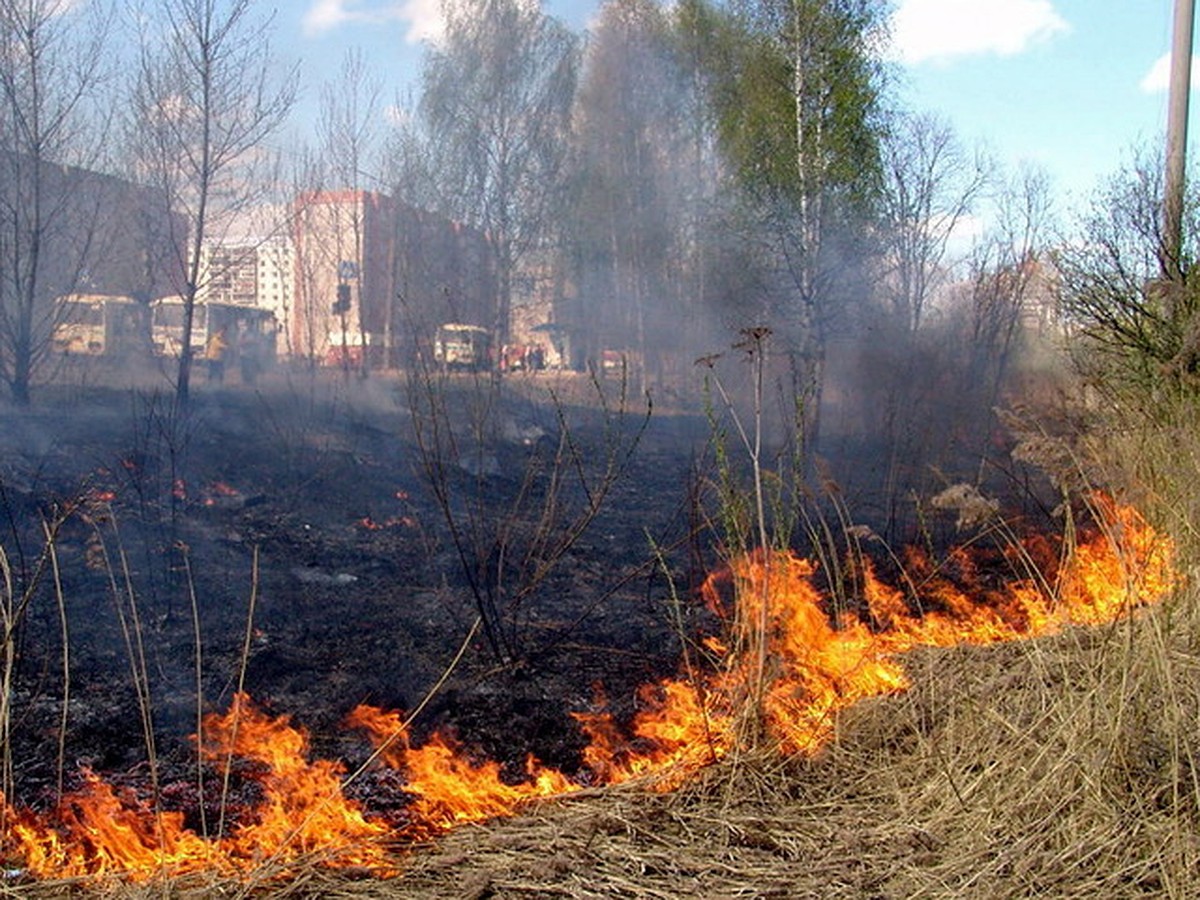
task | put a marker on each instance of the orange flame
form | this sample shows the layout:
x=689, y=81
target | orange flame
x=370, y=524
x=816, y=661
x=302, y=812
x=101, y=833
x=302, y=809
x=822, y=664
x=219, y=492
x=448, y=787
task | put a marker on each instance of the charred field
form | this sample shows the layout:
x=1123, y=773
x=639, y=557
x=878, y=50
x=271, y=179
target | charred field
x=307, y=518
x=504, y=569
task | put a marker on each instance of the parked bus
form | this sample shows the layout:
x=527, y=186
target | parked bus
x=349, y=348
x=100, y=325
x=166, y=326
x=457, y=346
x=238, y=322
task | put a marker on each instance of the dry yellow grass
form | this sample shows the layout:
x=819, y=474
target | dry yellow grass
x=1064, y=767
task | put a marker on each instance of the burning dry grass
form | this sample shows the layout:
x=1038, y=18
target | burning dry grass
x=1063, y=766
x=1045, y=769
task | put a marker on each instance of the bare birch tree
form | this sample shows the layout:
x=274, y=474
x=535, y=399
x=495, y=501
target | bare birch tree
x=930, y=186
x=1009, y=273
x=52, y=78
x=496, y=103
x=207, y=97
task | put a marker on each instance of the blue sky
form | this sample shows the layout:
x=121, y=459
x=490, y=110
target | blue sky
x=1069, y=85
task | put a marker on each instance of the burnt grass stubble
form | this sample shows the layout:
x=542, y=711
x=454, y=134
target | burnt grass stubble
x=359, y=595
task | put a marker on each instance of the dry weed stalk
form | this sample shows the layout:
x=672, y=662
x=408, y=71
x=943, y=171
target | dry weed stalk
x=508, y=541
x=65, y=634
x=17, y=593
x=750, y=627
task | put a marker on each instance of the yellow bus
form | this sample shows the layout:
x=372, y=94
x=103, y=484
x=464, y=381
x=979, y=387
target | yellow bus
x=100, y=325
x=457, y=346
x=238, y=322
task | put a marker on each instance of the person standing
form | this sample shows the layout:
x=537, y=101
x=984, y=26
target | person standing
x=215, y=352
x=249, y=356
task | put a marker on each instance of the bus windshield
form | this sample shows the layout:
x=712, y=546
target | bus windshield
x=76, y=313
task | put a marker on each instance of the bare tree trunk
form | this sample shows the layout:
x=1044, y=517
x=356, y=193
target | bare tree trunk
x=50, y=76
x=206, y=100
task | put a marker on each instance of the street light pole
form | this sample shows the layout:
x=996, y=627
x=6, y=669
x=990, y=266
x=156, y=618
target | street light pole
x=1177, y=116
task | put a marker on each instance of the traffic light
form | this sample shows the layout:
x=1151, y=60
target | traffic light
x=341, y=306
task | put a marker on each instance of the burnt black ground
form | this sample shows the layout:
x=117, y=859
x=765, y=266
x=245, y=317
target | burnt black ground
x=305, y=497
x=330, y=568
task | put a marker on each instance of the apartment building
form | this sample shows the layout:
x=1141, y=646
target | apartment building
x=276, y=274
x=228, y=274
x=375, y=277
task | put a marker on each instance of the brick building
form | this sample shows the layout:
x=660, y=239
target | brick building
x=375, y=276
x=106, y=235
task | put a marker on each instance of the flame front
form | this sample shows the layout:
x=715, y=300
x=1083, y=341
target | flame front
x=303, y=809
x=99, y=832
x=817, y=659
x=301, y=812
x=822, y=663
x=448, y=787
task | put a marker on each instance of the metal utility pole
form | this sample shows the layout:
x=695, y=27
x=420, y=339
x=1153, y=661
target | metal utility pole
x=1177, y=122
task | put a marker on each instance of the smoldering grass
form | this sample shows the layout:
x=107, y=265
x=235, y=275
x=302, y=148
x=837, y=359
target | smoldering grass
x=1059, y=767
x=65, y=634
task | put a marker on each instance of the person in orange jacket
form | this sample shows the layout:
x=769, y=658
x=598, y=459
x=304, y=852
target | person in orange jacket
x=215, y=353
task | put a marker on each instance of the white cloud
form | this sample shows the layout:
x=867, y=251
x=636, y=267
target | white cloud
x=425, y=20
x=421, y=19
x=940, y=30
x=1158, y=79
x=324, y=15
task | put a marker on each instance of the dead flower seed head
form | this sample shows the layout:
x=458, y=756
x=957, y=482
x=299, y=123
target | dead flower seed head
x=972, y=507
